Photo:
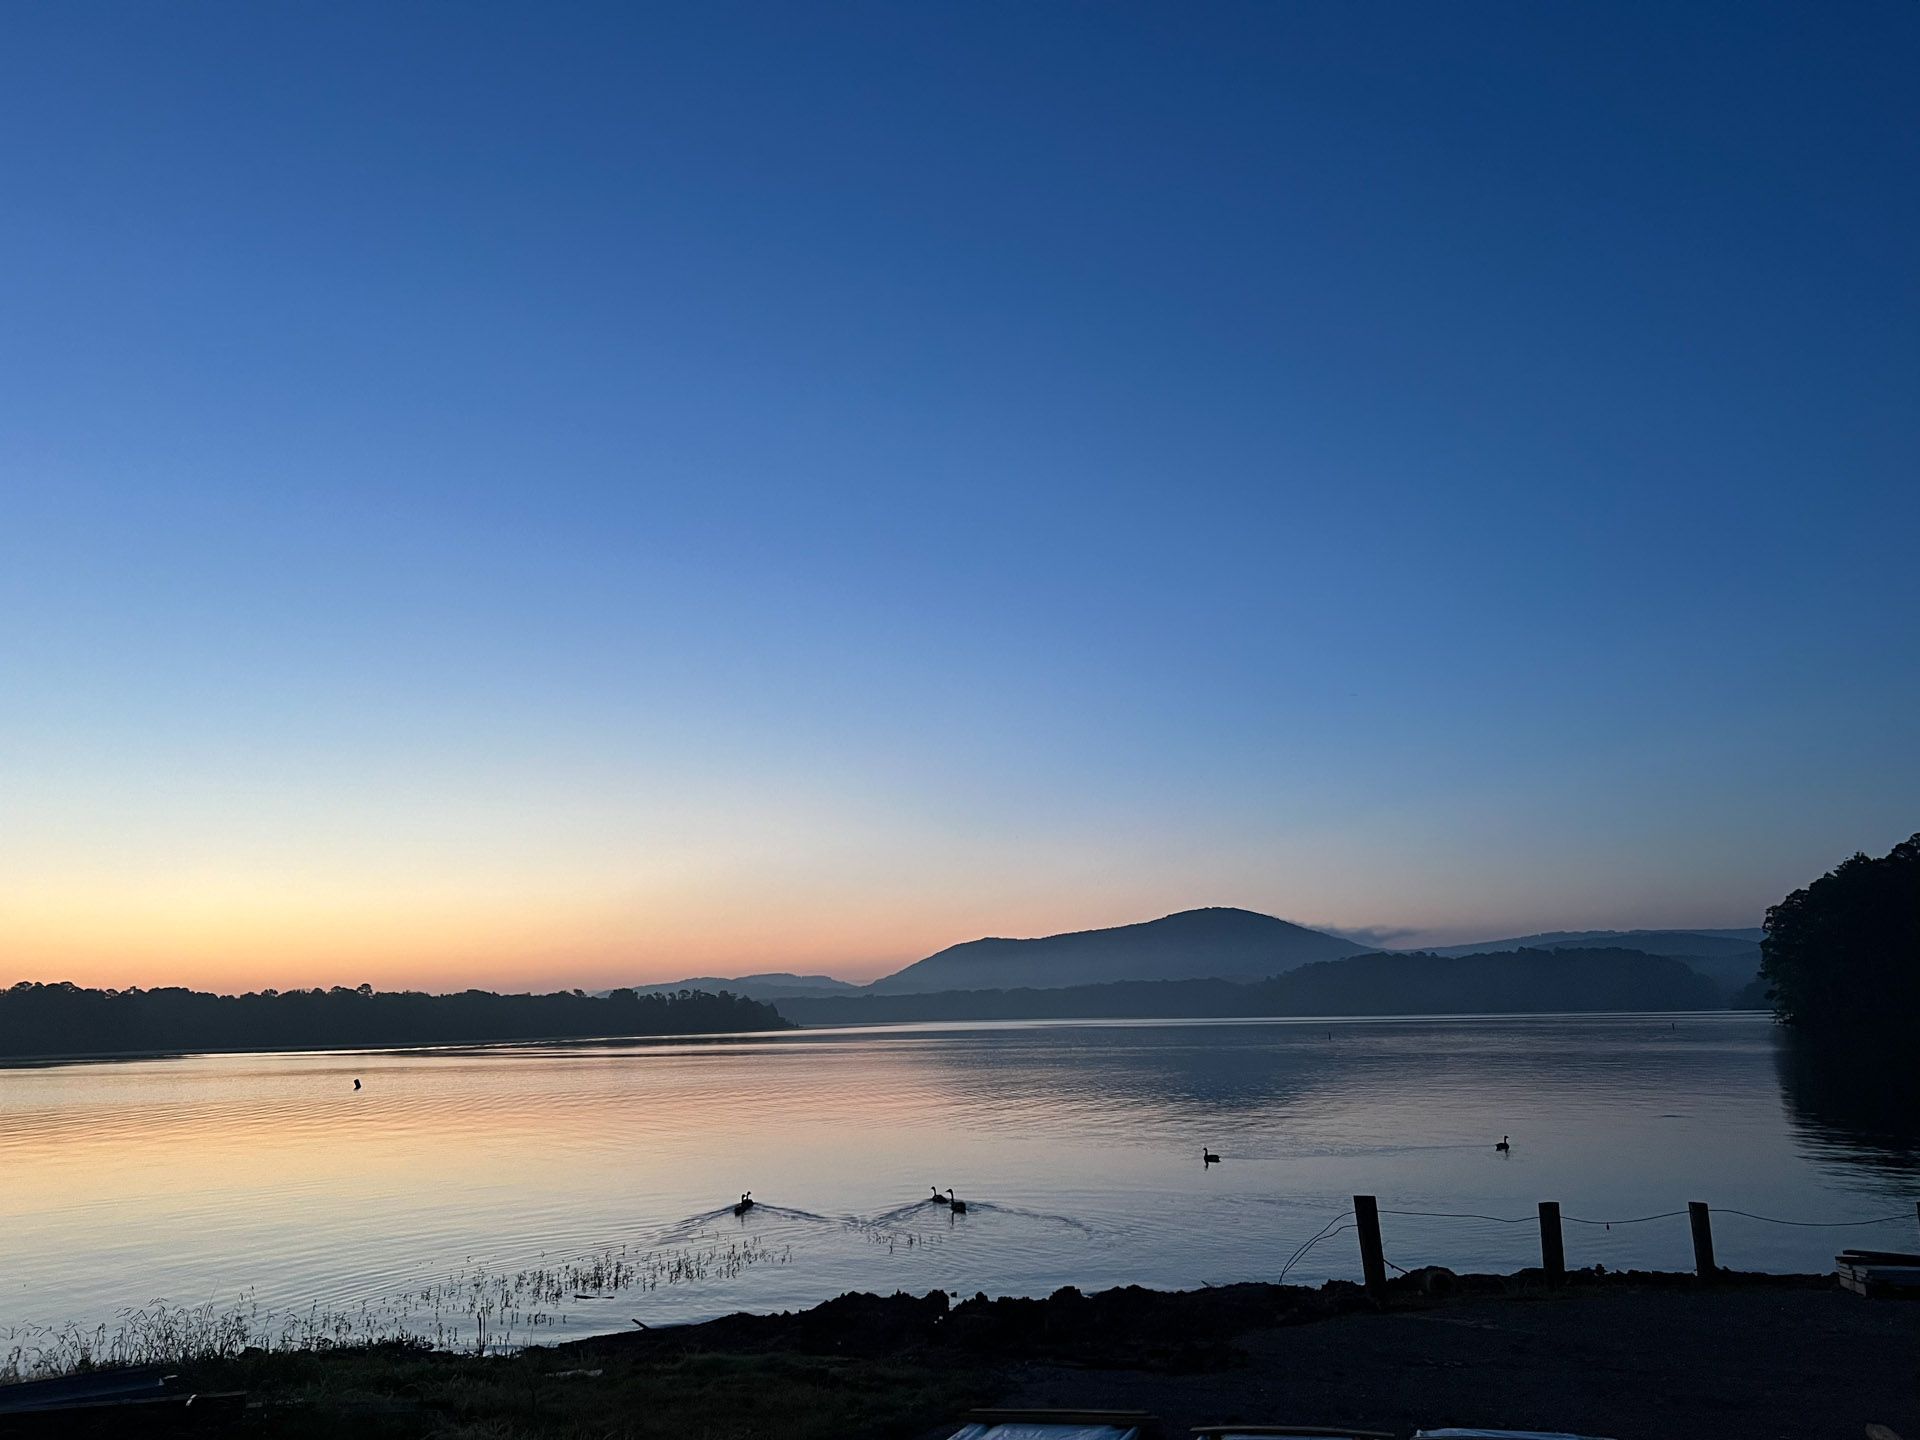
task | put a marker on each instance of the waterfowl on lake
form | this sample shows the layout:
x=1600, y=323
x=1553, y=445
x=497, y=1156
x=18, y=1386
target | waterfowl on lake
x=959, y=1206
x=356, y=1084
x=746, y=1204
x=938, y=1198
x=1503, y=1147
x=1207, y=1157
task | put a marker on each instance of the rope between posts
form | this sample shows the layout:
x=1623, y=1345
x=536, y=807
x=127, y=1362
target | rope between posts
x=1643, y=1219
x=1338, y=1225
x=1344, y=1222
x=1814, y=1224
x=1528, y=1219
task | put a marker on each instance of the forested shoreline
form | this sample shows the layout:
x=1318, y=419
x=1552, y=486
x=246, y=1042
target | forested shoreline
x=64, y=1019
x=1507, y=982
x=1841, y=956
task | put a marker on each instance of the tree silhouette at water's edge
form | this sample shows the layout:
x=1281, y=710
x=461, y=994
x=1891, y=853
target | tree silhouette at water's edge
x=1843, y=954
x=65, y=1019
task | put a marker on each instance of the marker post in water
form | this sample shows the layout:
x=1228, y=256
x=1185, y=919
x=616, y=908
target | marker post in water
x=1373, y=1257
x=1553, y=1255
x=1701, y=1219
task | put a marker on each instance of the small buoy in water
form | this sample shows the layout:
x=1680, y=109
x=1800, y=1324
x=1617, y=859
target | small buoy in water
x=356, y=1084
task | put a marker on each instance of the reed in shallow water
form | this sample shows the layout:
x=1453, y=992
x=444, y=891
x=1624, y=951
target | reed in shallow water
x=477, y=1310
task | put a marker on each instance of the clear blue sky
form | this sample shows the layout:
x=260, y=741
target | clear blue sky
x=525, y=493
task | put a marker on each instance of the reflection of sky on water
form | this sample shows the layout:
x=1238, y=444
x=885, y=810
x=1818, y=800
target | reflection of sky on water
x=1079, y=1146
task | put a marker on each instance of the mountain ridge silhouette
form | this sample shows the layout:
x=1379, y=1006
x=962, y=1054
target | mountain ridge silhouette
x=1218, y=942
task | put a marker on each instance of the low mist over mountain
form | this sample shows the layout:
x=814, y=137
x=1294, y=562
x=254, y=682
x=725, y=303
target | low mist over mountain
x=1212, y=944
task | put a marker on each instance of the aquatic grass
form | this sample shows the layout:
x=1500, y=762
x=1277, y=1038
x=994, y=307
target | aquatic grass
x=478, y=1310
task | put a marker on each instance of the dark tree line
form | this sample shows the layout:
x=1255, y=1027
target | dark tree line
x=65, y=1019
x=1844, y=953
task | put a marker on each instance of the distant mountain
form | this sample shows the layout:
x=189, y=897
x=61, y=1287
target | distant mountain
x=774, y=985
x=1508, y=982
x=1212, y=944
x=1730, y=958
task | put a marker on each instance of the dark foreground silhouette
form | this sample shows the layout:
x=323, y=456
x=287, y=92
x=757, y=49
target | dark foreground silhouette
x=64, y=1019
x=1625, y=1355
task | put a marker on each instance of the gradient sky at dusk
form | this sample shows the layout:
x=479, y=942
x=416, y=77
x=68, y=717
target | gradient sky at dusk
x=551, y=495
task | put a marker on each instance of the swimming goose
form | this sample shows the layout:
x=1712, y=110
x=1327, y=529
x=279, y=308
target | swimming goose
x=746, y=1204
x=938, y=1198
x=1503, y=1147
x=959, y=1206
x=1207, y=1157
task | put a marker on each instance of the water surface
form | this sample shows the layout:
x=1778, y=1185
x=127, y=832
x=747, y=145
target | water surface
x=267, y=1178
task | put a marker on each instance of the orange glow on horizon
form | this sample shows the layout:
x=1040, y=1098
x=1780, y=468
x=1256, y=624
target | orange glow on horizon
x=497, y=951
x=235, y=928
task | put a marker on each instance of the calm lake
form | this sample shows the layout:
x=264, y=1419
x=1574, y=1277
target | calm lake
x=565, y=1189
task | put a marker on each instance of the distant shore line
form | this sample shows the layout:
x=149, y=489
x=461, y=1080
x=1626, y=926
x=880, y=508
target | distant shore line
x=1521, y=981
x=40, y=1021
x=85, y=1057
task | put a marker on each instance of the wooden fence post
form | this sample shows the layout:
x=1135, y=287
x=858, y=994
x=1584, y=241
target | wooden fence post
x=1373, y=1258
x=1702, y=1223
x=1553, y=1256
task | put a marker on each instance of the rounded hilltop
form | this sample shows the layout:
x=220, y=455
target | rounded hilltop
x=1219, y=942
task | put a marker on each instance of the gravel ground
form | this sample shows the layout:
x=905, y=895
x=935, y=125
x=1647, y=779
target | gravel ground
x=1744, y=1364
